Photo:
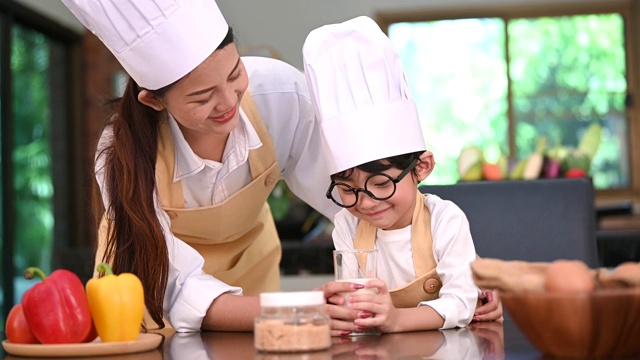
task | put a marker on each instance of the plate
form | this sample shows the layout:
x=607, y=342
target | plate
x=144, y=342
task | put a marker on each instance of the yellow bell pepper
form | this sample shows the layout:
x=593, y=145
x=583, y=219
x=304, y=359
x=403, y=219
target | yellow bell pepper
x=117, y=304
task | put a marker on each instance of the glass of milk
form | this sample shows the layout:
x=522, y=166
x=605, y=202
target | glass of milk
x=356, y=266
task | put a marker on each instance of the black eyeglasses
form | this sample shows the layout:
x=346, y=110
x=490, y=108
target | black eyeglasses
x=378, y=187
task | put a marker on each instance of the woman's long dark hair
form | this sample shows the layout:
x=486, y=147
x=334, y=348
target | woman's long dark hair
x=136, y=243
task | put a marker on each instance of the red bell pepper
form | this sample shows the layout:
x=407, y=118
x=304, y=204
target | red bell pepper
x=17, y=329
x=93, y=334
x=57, y=309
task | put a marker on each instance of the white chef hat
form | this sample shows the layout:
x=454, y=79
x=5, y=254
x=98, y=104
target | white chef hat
x=361, y=96
x=156, y=41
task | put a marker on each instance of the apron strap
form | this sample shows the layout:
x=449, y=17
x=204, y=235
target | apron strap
x=421, y=240
x=260, y=160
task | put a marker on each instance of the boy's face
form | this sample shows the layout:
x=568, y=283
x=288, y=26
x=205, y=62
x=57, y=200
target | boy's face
x=393, y=213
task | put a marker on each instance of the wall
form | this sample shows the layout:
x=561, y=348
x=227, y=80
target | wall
x=268, y=27
x=55, y=10
x=284, y=24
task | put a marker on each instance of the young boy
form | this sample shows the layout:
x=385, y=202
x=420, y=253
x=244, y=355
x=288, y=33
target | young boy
x=376, y=157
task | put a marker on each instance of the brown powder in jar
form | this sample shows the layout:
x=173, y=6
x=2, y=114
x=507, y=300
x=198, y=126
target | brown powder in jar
x=278, y=335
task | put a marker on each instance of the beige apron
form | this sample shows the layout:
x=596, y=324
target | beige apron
x=225, y=234
x=237, y=238
x=427, y=284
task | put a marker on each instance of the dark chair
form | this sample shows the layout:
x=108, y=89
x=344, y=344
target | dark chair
x=531, y=220
x=618, y=233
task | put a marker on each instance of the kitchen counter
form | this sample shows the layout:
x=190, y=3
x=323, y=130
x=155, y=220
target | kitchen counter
x=487, y=341
x=478, y=341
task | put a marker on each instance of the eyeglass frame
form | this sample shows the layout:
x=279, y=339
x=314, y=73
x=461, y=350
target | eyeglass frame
x=364, y=190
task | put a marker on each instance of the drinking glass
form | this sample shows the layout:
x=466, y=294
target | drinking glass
x=356, y=266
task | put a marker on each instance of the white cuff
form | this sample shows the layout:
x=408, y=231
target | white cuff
x=194, y=299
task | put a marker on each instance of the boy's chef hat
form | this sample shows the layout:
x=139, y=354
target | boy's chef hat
x=362, y=100
x=156, y=41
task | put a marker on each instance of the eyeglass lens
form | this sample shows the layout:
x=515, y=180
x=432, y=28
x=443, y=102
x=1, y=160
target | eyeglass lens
x=379, y=187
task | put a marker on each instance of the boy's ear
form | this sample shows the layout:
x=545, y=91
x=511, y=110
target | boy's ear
x=425, y=165
x=151, y=100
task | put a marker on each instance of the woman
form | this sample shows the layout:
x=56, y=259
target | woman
x=187, y=161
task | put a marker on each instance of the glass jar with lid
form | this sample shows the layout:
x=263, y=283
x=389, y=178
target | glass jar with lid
x=292, y=322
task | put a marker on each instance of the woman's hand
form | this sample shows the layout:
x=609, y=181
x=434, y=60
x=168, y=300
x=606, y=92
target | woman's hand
x=341, y=317
x=491, y=310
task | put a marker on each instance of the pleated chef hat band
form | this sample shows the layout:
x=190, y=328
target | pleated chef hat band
x=156, y=41
x=363, y=101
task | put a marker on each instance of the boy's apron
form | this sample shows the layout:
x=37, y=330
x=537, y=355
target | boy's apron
x=237, y=238
x=427, y=284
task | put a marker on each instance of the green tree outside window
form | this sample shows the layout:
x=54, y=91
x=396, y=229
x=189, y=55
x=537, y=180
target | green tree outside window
x=562, y=74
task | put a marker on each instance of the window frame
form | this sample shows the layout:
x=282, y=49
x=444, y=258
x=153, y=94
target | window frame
x=67, y=146
x=628, y=9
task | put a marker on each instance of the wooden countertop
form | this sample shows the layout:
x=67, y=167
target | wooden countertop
x=478, y=341
x=481, y=341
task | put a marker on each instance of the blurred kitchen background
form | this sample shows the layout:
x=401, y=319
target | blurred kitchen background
x=509, y=77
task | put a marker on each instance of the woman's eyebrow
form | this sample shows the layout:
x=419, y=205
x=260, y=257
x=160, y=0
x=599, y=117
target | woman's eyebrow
x=199, y=92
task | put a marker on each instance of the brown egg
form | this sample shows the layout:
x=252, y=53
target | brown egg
x=569, y=276
x=627, y=272
x=627, y=268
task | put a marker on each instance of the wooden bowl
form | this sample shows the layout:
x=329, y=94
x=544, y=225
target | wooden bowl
x=604, y=323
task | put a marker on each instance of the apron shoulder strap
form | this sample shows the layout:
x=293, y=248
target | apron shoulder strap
x=421, y=241
x=365, y=237
x=262, y=158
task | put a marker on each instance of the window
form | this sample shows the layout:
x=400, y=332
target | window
x=509, y=80
x=36, y=137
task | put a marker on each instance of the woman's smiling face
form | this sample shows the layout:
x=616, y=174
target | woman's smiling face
x=206, y=101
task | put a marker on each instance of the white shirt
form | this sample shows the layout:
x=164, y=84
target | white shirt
x=453, y=251
x=459, y=344
x=281, y=95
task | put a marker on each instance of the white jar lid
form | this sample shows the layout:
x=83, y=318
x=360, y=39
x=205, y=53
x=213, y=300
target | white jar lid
x=292, y=298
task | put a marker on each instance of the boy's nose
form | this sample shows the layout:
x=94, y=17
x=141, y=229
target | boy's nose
x=365, y=201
